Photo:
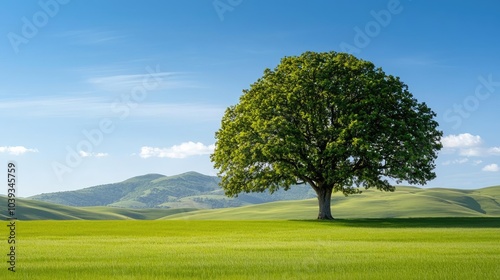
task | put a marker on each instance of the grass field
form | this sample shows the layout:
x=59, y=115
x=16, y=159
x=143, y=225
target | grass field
x=430, y=248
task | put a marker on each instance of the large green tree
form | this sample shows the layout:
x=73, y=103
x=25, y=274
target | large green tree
x=330, y=120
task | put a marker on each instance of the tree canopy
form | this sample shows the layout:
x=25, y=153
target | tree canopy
x=330, y=120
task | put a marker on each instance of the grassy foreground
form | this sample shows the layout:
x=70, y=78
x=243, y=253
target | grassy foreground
x=459, y=248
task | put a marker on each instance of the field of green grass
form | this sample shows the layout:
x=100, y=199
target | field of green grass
x=430, y=248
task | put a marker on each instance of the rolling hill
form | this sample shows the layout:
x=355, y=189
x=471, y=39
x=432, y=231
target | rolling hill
x=27, y=209
x=187, y=190
x=405, y=202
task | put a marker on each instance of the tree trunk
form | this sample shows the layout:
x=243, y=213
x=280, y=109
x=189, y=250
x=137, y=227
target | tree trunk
x=324, y=197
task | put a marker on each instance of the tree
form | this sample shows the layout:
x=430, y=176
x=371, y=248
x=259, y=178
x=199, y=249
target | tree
x=329, y=120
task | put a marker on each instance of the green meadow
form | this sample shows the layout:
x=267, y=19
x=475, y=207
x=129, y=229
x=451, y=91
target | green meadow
x=408, y=234
x=419, y=248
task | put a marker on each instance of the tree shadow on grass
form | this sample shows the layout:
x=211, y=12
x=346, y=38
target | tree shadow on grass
x=452, y=222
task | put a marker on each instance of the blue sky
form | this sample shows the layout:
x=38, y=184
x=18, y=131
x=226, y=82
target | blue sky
x=95, y=92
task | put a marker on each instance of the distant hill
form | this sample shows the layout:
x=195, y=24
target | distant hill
x=405, y=202
x=187, y=190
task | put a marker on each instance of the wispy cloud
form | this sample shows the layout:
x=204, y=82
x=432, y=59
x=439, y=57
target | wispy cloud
x=491, y=168
x=84, y=154
x=92, y=107
x=91, y=37
x=16, y=150
x=186, y=149
x=494, y=151
x=185, y=111
x=126, y=83
x=54, y=106
x=479, y=152
x=457, y=161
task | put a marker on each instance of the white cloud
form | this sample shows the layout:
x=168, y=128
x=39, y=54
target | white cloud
x=16, y=150
x=491, y=168
x=101, y=154
x=494, y=151
x=97, y=155
x=461, y=141
x=477, y=162
x=183, y=150
x=479, y=152
x=457, y=161
x=467, y=145
x=472, y=152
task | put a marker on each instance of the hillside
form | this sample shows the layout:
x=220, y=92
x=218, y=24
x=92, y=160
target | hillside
x=38, y=210
x=405, y=202
x=187, y=190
